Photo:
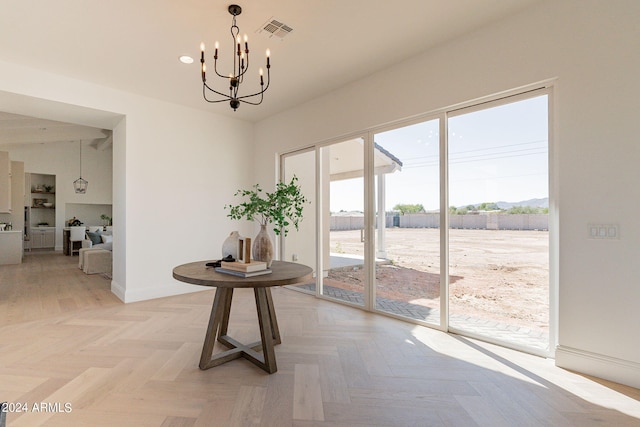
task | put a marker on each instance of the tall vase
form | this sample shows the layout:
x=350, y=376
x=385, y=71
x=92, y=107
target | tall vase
x=262, y=247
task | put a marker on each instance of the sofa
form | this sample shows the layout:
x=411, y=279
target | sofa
x=98, y=239
x=95, y=256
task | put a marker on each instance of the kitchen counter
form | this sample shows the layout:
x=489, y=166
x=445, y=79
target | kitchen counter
x=11, y=247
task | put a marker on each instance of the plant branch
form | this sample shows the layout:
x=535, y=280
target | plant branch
x=282, y=208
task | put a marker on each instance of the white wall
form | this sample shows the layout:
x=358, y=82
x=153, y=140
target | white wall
x=590, y=46
x=89, y=214
x=62, y=160
x=168, y=166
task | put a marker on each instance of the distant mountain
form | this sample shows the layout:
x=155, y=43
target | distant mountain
x=534, y=203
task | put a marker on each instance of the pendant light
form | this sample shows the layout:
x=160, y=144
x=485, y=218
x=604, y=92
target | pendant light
x=240, y=66
x=80, y=185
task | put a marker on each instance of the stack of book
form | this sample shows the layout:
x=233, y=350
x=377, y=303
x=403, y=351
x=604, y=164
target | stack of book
x=242, y=269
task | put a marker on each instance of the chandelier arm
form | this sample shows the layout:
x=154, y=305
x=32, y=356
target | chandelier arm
x=214, y=91
x=242, y=98
x=216, y=101
x=263, y=90
x=253, y=94
x=204, y=95
x=245, y=69
x=253, y=103
x=215, y=68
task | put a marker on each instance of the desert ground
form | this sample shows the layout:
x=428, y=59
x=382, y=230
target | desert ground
x=501, y=275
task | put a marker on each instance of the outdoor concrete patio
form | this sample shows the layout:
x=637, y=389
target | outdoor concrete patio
x=519, y=335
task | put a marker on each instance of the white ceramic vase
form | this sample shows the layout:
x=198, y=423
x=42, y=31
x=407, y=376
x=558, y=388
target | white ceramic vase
x=230, y=245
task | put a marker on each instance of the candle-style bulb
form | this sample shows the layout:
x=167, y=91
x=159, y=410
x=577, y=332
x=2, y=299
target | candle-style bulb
x=202, y=46
x=268, y=56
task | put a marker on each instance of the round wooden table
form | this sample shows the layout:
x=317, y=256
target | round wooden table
x=283, y=273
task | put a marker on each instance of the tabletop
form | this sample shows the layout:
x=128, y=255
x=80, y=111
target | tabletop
x=283, y=273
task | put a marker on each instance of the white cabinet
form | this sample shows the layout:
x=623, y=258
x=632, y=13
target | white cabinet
x=43, y=237
x=5, y=182
x=10, y=247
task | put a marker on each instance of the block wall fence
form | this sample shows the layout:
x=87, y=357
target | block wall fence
x=432, y=220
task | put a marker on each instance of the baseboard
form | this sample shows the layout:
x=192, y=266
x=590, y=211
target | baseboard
x=166, y=290
x=598, y=365
x=118, y=290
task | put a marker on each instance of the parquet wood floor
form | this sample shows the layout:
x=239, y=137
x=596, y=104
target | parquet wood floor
x=64, y=339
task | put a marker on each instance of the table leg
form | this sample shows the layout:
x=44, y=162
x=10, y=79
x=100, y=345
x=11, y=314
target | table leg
x=219, y=316
x=266, y=319
x=217, y=330
x=272, y=316
x=224, y=324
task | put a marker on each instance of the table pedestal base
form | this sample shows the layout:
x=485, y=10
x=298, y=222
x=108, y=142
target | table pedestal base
x=217, y=330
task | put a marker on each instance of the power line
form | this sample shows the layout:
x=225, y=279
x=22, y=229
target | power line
x=477, y=149
x=472, y=159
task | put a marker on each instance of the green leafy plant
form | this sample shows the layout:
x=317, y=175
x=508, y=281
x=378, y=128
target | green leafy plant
x=282, y=208
x=106, y=218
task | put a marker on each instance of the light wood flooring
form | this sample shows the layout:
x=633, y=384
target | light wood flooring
x=64, y=339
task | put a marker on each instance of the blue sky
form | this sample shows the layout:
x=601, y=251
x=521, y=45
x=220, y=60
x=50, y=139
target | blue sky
x=496, y=154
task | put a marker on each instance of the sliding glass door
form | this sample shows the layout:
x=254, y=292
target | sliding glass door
x=443, y=220
x=499, y=221
x=341, y=171
x=407, y=218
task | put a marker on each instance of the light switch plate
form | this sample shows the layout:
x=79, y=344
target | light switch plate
x=603, y=231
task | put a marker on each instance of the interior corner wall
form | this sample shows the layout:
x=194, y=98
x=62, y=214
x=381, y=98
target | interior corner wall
x=169, y=163
x=588, y=47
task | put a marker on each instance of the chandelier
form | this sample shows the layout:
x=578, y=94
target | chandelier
x=240, y=67
x=80, y=185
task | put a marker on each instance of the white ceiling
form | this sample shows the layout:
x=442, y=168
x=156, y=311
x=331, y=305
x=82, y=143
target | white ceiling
x=134, y=45
x=19, y=129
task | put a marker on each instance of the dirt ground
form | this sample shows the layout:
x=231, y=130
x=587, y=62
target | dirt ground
x=501, y=275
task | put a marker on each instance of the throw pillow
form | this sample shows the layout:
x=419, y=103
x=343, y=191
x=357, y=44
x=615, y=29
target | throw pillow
x=106, y=238
x=94, y=236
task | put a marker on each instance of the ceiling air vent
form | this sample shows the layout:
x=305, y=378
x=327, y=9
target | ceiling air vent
x=273, y=27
